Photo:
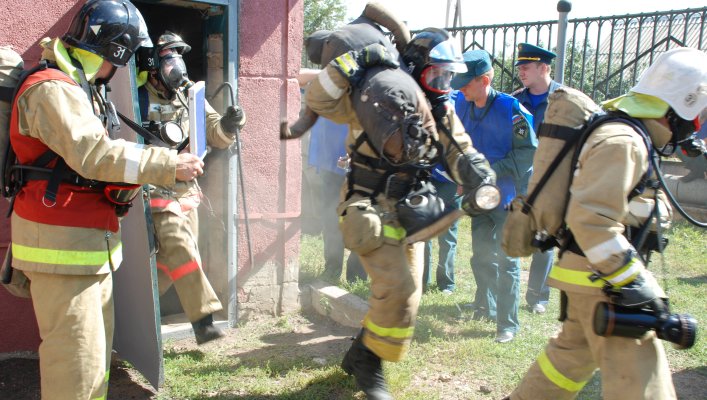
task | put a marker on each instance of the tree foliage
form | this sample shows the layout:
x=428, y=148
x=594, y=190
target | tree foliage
x=323, y=14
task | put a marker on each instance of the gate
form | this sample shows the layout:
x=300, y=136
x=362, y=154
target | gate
x=604, y=56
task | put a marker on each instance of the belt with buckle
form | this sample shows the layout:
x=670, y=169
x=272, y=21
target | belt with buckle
x=393, y=186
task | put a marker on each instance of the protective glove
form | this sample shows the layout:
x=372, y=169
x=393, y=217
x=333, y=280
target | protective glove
x=353, y=65
x=481, y=200
x=233, y=120
x=640, y=288
x=474, y=170
x=479, y=182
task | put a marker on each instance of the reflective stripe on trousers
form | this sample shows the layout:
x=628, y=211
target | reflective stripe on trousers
x=68, y=257
x=631, y=368
x=395, y=272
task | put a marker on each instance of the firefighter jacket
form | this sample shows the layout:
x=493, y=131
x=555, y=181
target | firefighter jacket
x=329, y=96
x=160, y=109
x=79, y=234
x=611, y=163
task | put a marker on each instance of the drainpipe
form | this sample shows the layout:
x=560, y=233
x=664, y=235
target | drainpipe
x=231, y=66
x=563, y=7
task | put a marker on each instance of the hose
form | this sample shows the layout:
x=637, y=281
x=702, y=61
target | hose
x=240, y=172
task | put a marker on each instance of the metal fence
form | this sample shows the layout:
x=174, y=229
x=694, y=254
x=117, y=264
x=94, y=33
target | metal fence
x=604, y=56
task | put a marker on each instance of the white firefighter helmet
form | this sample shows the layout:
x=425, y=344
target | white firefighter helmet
x=679, y=78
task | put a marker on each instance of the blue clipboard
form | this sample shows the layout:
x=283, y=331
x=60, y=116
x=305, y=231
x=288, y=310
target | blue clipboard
x=197, y=119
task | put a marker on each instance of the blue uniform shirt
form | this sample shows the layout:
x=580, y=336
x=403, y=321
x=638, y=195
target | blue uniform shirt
x=503, y=132
x=327, y=143
x=538, y=110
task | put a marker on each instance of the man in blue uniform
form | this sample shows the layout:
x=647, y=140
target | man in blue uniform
x=447, y=240
x=533, y=65
x=327, y=147
x=502, y=130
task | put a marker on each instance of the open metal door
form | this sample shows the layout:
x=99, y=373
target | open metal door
x=210, y=27
x=137, y=323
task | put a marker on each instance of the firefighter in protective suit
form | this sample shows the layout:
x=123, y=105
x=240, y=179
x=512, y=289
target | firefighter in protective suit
x=65, y=229
x=164, y=111
x=600, y=264
x=393, y=145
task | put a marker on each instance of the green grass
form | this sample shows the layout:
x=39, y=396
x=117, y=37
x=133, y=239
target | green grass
x=452, y=357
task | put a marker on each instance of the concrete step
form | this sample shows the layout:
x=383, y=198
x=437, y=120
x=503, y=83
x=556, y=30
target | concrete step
x=334, y=302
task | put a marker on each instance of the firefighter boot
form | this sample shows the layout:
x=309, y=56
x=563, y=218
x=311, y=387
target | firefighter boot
x=205, y=331
x=366, y=367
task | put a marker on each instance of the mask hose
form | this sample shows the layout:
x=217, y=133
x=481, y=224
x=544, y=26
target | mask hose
x=672, y=198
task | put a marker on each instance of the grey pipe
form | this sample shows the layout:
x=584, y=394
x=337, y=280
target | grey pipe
x=563, y=7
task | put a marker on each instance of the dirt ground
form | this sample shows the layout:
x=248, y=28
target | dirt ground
x=19, y=377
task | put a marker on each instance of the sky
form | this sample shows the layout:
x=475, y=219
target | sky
x=420, y=14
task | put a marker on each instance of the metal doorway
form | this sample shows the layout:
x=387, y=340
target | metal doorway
x=208, y=27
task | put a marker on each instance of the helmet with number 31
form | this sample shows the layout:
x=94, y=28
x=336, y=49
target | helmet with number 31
x=112, y=29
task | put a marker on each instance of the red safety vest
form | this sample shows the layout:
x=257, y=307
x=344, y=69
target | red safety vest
x=75, y=206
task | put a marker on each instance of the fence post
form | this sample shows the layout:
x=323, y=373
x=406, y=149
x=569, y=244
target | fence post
x=563, y=7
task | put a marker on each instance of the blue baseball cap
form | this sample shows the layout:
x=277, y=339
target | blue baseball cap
x=477, y=63
x=528, y=53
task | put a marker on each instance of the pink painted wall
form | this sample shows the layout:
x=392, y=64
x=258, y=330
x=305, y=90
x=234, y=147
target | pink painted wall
x=270, y=44
x=22, y=25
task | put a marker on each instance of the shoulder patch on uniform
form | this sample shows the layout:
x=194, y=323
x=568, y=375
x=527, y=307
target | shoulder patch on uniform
x=520, y=126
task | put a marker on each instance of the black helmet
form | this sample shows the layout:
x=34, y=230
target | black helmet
x=432, y=57
x=169, y=40
x=112, y=29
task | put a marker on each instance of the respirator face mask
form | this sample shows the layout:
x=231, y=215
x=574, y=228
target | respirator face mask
x=173, y=72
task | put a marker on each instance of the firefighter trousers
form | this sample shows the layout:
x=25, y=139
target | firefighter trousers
x=394, y=270
x=75, y=318
x=395, y=273
x=631, y=369
x=179, y=263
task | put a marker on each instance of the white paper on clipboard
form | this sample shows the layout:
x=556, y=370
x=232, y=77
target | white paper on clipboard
x=197, y=119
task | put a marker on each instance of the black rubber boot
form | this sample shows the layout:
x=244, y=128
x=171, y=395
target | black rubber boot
x=366, y=367
x=205, y=331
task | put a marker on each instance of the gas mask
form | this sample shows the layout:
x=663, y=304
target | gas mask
x=420, y=208
x=682, y=130
x=172, y=73
x=387, y=106
x=436, y=81
x=406, y=142
x=415, y=138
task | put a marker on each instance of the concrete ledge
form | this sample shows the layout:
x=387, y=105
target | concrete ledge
x=692, y=196
x=335, y=303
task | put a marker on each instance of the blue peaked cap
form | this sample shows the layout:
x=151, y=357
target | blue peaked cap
x=477, y=63
x=528, y=53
